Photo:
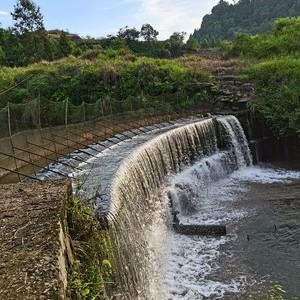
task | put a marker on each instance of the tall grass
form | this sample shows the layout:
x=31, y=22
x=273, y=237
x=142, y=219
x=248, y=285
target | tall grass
x=277, y=82
x=119, y=76
x=284, y=40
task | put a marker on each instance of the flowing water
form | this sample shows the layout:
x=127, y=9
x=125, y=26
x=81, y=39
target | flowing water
x=203, y=169
x=261, y=209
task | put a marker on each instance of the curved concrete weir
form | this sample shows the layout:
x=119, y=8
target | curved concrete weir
x=145, y=170
x=138, y=200
x=130, y=181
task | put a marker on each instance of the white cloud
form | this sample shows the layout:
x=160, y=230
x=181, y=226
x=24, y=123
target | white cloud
x=168, y=16
x=3, y=13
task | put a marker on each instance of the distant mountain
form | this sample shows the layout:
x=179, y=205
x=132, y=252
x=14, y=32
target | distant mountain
x=250, y=16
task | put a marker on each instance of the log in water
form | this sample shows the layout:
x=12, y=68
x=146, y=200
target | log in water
x=195, y=229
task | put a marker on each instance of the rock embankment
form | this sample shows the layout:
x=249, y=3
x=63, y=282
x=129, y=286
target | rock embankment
x=235, y=91
x=34, y=244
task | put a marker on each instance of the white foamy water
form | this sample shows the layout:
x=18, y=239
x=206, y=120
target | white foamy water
x=192, y=259
x=265, y=175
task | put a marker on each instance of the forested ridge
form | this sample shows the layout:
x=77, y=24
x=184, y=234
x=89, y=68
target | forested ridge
x=249, y=16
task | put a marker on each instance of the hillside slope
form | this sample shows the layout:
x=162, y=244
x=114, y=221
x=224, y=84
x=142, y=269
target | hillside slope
x=250, y=16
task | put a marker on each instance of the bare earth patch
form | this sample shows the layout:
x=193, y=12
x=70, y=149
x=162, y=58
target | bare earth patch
x=32, y=240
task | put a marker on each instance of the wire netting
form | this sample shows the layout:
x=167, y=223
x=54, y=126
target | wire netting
x=4, y=124
x=41, y=112
x=52, y=113
x=74, y=114
x=24, y=116
x=93, y=111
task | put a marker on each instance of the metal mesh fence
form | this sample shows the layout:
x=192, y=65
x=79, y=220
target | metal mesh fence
x=38, y=132
x=41, y=113
x=93, y=111
x=23, y=116
x=52, y=113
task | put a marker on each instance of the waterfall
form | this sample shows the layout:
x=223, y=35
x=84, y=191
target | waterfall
x=137, y=201
x=146, y=169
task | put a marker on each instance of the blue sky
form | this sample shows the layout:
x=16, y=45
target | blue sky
x=103, y=17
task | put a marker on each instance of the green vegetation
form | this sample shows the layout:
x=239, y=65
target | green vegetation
x=276, y=75
x=116, y=74
x=247, y=16
x=121, y=80
x=284, y=40
x=91, y=274
x=277, y=82
x=133, y=71
x=28, y=41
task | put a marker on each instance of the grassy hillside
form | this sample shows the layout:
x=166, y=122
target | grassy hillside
x=275, y=71
x=125, y=81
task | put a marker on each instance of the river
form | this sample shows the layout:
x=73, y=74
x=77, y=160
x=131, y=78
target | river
x=261, y=207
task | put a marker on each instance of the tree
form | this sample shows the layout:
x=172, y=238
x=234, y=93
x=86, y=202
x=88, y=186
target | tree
x=192, y=44
x=66, y=46
x=177, y=37
x=176, y=41
x=248, y=16
x=27, y=17
x=128, y=34
x=148, y=33
x=2, y=43
x=14, y=50
x=2, y=56
x=29, y=27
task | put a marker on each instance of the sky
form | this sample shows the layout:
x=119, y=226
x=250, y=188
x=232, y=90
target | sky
x=98, y=18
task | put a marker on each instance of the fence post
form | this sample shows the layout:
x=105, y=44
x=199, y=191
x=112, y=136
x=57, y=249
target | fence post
x=66, y=111
x=102, y=106
x=39, y=103
x=84, y=118
x=8, y=119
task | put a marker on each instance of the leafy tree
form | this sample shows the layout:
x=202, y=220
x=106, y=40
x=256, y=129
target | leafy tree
x=14, y=50
x=66, y=46
x=176, y=41
x=27, y=17
x=192, y=44
x=28, y=25
x=129, y=34
x=177, y=37
x=148, y=33
x=2, y=56
x=2, y=40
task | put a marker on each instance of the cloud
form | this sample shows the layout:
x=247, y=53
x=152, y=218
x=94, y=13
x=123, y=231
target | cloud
x=3, y=13
x=168, y=16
